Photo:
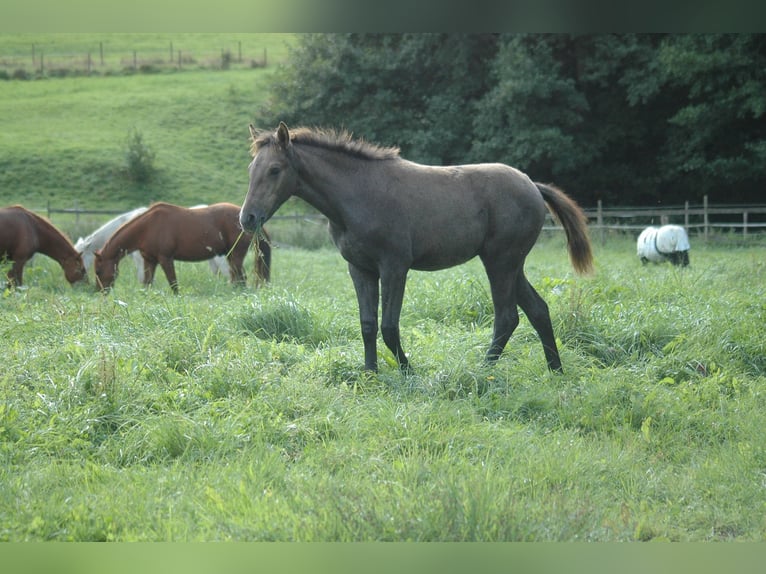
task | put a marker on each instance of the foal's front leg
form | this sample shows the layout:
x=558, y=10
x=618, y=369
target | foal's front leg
x=367, y=295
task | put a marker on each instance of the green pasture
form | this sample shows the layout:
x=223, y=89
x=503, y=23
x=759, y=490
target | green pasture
x=65, y=139
x=243, y=414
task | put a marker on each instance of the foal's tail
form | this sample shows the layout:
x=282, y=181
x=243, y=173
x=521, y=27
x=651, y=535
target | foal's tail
x=262, y=249
x=575, y=225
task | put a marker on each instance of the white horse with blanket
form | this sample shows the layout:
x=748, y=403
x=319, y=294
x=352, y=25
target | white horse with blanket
x=666, y=243
x=87, y=246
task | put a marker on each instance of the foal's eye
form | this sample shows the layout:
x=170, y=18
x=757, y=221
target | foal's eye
x=274, y=170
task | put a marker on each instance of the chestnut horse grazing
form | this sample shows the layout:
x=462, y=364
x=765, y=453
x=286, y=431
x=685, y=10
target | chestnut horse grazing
x=388, y=215
x=167, y=232
x=24, y=233
x=87, y=246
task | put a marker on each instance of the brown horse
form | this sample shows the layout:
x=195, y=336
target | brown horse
x=388, y=215
x=24, y=233
x=167, y=232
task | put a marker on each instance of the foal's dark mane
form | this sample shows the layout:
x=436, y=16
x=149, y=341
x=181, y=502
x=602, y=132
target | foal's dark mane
x=341, y=141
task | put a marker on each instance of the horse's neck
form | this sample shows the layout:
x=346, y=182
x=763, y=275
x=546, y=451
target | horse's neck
x=51, y=241
x=323, y=183
x=122, y=241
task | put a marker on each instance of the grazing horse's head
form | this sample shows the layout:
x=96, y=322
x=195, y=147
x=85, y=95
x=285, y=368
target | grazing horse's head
x=272, y=177
x=74, y=269
x=106, y=271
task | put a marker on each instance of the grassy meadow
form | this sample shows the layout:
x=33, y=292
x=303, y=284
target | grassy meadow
x=243, y=414
x=65, y=139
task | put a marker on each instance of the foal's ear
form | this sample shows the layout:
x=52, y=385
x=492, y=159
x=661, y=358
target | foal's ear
x=283, y=135
x=252, y=131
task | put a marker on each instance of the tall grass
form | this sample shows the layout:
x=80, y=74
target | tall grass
x=236, y=414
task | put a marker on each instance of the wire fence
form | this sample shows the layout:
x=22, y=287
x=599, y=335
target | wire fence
x=102, y=60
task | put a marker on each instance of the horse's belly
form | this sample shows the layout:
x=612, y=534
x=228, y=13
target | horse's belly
x=443, y=257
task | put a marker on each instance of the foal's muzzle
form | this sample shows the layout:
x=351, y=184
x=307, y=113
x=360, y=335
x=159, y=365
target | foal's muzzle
x=251, y=221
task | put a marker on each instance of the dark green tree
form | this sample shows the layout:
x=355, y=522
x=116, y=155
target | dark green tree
x=716, y=134
x=627, y=118
x=417, y=91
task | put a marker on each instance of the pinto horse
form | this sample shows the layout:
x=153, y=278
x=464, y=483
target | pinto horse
x=87, y=246
x=24, y=233
x=388, y=215
x=167, y=232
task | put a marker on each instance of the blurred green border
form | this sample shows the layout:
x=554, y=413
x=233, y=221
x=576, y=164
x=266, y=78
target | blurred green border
x=375, y=558
x=376, y=16
x=371, y=558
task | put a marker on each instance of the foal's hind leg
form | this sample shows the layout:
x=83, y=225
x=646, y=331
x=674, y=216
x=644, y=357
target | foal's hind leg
x=536, y=310
x=502, y=284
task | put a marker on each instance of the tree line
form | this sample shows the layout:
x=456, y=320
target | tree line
x=631, y=119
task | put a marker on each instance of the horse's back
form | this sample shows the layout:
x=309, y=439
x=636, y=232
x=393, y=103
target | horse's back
x=457, y=188
x=645, y=242
x=672, y=239
x=17, y=231
x=95, y=241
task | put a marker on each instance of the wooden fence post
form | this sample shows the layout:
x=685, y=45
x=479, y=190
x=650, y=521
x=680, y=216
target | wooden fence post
x=600, y=222
x=686, y=215
x=744, y=225
x=705, y=218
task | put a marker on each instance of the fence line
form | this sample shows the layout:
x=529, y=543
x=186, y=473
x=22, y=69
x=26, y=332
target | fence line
x=601, y=219
x=703, y=212
x=95, y=59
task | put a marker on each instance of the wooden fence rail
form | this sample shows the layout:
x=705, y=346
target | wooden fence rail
x=701, y=219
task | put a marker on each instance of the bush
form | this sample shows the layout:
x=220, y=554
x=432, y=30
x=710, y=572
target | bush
x=140, y=159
